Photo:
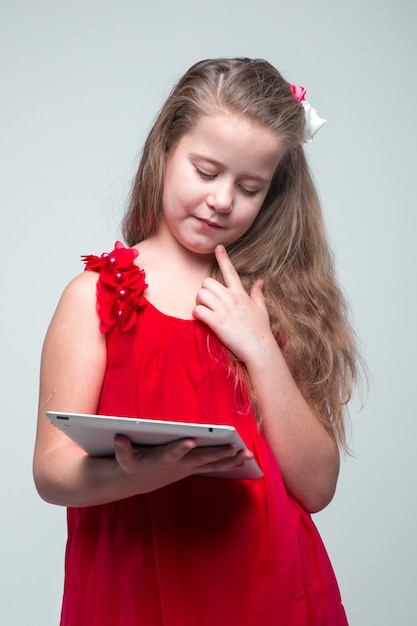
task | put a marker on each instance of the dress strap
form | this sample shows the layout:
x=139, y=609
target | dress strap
x=120, y=286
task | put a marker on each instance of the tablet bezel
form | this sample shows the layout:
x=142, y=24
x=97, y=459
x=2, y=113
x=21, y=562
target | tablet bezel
x=95, y=434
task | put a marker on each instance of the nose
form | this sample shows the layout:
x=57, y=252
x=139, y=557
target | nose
x=220, y=198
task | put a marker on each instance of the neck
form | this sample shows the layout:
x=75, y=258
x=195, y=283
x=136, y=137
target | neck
x=174, y=275
x=172, y=256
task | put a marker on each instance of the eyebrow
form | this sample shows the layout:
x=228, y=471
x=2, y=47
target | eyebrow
x=247, y=175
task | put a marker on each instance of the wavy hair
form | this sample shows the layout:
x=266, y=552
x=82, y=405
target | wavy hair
x=286, y=245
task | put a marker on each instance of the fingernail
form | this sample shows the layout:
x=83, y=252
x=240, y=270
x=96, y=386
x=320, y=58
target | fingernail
x=220, y=247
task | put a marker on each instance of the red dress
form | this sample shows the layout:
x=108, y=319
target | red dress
x=202, y=551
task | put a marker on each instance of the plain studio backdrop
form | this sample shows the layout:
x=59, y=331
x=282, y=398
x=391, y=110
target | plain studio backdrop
x=81, y=82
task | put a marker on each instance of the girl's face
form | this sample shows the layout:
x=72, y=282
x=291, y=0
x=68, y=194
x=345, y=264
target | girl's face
x=216, y=180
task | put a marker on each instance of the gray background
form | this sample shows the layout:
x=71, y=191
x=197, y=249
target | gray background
x=81, y=82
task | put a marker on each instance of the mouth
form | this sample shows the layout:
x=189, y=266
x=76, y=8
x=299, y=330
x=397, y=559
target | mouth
x=208, y=223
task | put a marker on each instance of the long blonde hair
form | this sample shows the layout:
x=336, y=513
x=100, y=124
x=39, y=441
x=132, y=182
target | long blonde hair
x=286, y=245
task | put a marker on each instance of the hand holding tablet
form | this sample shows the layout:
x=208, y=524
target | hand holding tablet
x=95, y=434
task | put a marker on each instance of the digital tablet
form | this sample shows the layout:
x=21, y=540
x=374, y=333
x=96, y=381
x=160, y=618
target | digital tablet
x=95, y=433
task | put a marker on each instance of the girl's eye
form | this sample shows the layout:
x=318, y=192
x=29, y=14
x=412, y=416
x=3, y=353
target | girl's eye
x=247, y=192
x=206, y=176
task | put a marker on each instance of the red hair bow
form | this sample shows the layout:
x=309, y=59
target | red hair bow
x=298, y=92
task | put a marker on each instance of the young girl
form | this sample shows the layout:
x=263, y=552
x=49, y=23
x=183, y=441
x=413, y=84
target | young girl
x=224, y=310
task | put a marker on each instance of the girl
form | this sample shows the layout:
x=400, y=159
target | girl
x=224, y=309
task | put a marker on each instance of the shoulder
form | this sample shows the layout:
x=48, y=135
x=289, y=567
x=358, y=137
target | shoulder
x=81, y=288
x=74, y=350
x=74, y=347
x=77, y=305
x=81, y=291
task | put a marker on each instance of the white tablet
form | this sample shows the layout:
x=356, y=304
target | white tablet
x=95, y=433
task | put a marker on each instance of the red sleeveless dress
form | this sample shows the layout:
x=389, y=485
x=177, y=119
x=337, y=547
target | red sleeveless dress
x=203, y=551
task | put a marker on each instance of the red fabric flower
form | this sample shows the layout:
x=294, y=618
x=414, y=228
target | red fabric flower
x=120, y=286
x=299, y=92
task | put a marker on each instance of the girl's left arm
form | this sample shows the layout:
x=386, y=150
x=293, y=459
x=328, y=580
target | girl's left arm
x=307, y=454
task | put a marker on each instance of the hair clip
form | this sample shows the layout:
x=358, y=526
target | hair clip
x=313, y=121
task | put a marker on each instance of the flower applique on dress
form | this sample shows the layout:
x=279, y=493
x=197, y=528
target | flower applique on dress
x=120, y=286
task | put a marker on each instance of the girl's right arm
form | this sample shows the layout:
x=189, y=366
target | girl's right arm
x=72, y=370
